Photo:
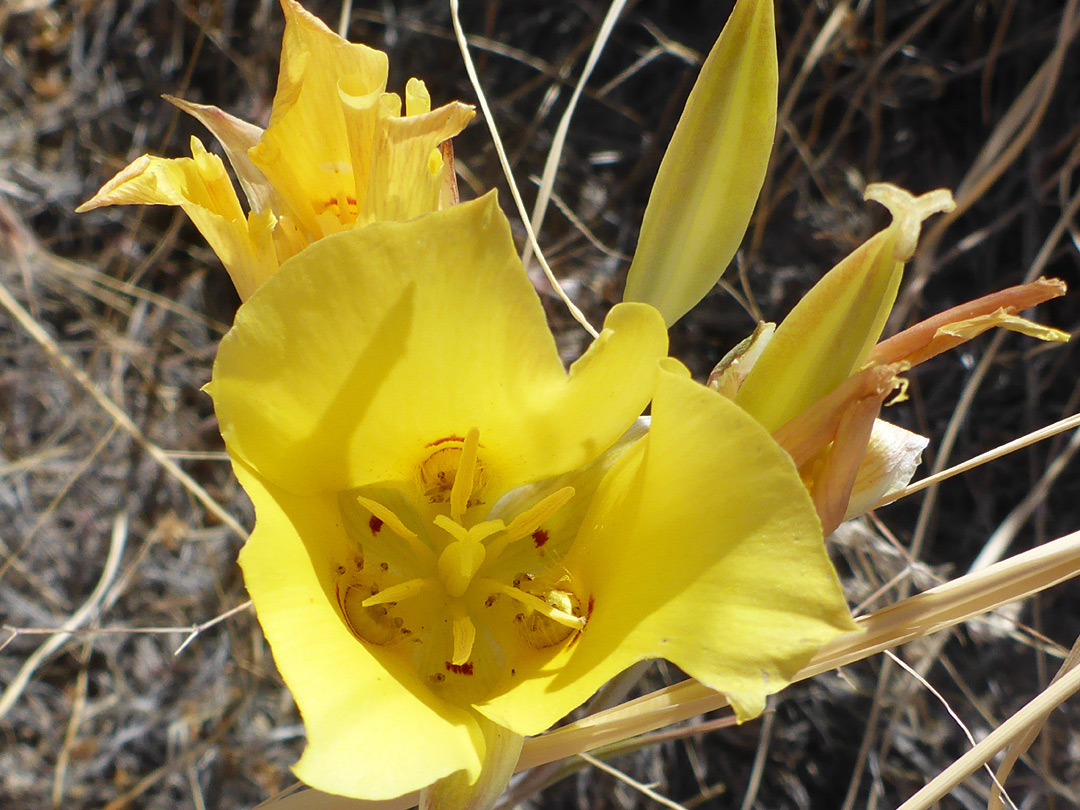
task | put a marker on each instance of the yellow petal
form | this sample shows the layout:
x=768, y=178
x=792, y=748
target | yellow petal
x=712, y=172
x=831, y=331
x=373, y=343
x=236, y=138
x=701, y=547
x=201, y=186
x=373, y=730
x=407, y=172
x=458, y=792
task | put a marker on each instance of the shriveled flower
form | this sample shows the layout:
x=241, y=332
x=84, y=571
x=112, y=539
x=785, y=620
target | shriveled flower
x=337, y=154
x=819, y=380
x=457, y=542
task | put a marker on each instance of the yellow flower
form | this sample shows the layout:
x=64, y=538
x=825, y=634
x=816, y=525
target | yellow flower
x=457, y=541
x=337, y=154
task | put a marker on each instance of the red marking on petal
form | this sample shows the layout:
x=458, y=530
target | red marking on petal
x=539, y=537
x=451, y=438
x=460, y=669
x=375, y=524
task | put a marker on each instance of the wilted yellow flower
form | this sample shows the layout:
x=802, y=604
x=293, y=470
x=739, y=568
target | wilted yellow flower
x=337, y=154
x=457, y=542
x=819, y=382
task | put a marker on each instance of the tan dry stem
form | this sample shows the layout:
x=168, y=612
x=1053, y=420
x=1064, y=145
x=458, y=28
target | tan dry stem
x=925, y=340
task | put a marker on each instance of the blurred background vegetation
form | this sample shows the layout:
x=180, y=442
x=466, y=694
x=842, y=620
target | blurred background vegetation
x=980, y=96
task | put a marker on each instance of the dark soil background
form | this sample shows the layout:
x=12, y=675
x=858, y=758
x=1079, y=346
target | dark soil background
x=922, y=94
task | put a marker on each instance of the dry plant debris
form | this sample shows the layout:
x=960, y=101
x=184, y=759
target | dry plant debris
x=136, y=557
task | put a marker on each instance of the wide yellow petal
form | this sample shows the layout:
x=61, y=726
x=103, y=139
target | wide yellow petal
x=376, y=342
x=713, y=170
x=373, y=730
x=201, y=187
x=831, y=331
x=702, y=547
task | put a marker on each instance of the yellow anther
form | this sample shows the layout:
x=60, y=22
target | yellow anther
x=539, y=605
x=398, y=593
x=464, y=633
x=531, y=519
x=465, y=478
x=389, y=519
x=423, y=554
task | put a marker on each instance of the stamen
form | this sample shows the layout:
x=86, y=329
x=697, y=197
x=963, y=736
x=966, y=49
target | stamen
x=464, y=637
x=423, y=554
x=531, y=519
x=538, y=604
x=398, y=593
x=464, y=479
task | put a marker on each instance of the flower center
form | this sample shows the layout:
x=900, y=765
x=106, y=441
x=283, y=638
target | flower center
x=453, y=594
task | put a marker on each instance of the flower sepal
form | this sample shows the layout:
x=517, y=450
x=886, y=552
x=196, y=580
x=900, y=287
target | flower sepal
x=458, y=792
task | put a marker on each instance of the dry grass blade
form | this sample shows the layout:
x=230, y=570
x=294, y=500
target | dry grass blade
x=1020, y=745
x=1013, y=728
x=1068, y=423
x=645, y=790
x=551, y=165
x=56, y=641
x=470, y=68
x=1003, y=147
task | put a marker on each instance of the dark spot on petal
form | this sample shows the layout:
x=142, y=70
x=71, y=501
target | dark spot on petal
x=384, y=567
x=374, y=524
x=540, y=536
x=460, y=669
